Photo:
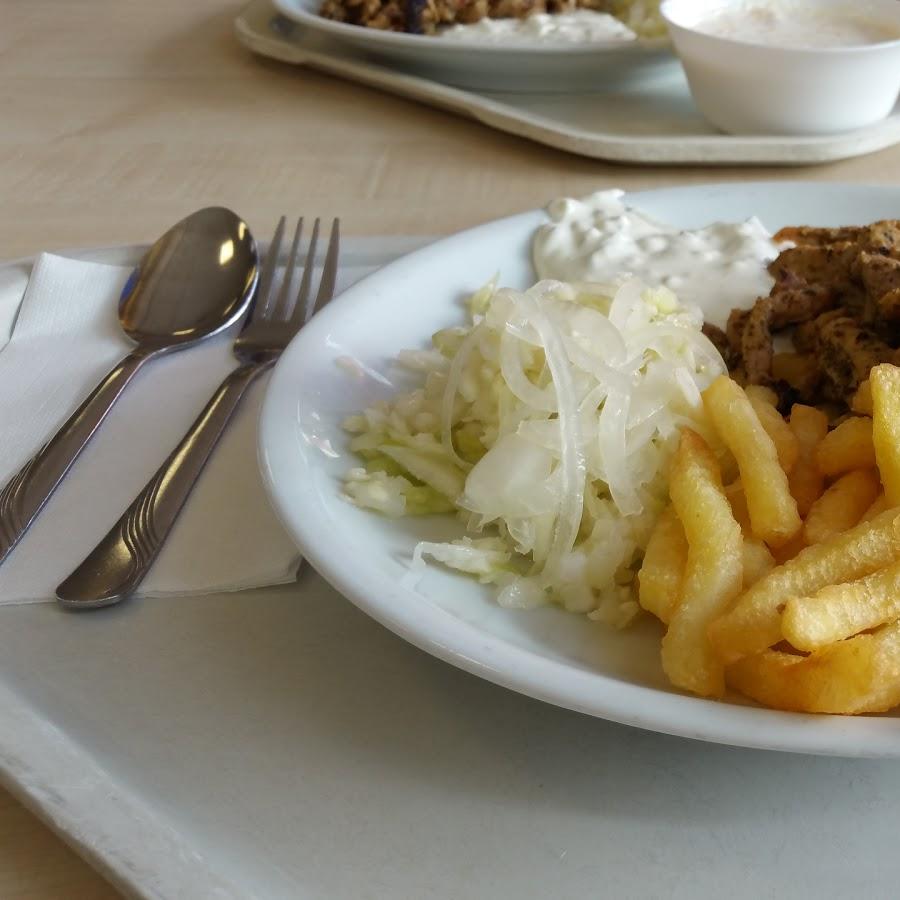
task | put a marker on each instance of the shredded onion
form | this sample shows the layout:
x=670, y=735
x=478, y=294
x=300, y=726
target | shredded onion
x=454, y=376
x=556, y=412
x=572, y=463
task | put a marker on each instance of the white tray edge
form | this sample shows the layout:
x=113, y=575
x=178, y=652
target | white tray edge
x=53, y=778
x=137, y=851
x=59, y=783
x=251, y=29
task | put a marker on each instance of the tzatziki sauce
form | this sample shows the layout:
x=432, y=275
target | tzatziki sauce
x=581, y=26
x=601, y=240
x=781, y=23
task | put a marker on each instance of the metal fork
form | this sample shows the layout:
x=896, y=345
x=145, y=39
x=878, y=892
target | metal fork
x=118, y=564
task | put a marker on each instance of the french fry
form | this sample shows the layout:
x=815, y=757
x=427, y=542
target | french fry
x=847, y=447
x=879, y=505
x=789, y=550
x=885, y=383
x=806, y=482
x=785, y=441
x=861, y=401
x=662, y=571
x=839, y=611
x=757, y=557
x=756, y=560
x=761, y=394
x=860, y=675
x=714, y=568
x=842, y=505
x=773, y=511
x=754, y=623
x=738, y=500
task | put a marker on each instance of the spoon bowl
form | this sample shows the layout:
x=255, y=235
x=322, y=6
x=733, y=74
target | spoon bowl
x=161, y=305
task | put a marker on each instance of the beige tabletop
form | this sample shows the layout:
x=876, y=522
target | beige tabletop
x=120, y=116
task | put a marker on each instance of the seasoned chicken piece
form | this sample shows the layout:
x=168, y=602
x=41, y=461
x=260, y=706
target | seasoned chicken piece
x=829, y=265
x=783, y=307
x=799, y=371
x=840, y=287
x=882, y=238
x=806, y=336
x=846, y=352
x=881, y=279
x=734, y=329
x=720, y=342
x=426, y=16
x=809, y=236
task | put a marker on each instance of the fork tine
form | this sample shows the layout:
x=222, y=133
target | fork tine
x=267, y=276
x=305, y=309
x=285, y=303
x=329, y=271
x=310, y=264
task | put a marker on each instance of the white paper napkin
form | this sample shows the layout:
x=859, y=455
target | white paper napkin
x=65, y=338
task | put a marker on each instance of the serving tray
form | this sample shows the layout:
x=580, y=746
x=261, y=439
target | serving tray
x=648, y=121
x=279, y=744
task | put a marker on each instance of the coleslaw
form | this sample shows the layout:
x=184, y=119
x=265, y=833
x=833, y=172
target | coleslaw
x=546, y=424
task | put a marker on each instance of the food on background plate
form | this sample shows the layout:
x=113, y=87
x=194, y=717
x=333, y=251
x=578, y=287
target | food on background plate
x=587, y=434
x=785, y=23
x=605, y=19
x=577, y=26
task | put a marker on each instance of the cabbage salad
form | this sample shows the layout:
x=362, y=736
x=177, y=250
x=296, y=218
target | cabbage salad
x=546, y=425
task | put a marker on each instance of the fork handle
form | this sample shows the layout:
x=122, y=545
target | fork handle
x=118, y=564
x=24, y=496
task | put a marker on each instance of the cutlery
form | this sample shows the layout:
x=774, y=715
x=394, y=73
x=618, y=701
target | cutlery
x=120, y=561
x=195, y=281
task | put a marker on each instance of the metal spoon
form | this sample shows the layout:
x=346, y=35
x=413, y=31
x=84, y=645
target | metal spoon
x=195, y=281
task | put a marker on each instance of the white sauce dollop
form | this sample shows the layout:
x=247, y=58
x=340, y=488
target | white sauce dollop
x=786, y=24
x=581, y=26
x=601, y=240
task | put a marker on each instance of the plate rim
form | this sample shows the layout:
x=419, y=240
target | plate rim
x=437, y=632
x=357, y=34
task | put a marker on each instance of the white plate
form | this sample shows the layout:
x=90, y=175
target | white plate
x=473, y=64
x=548, y=654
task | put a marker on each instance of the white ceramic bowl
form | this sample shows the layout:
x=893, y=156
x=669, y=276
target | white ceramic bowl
x=752, y=88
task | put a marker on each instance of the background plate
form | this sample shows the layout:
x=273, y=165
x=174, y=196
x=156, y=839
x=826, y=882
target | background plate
x=470, y=64
x=546, y=653
x=644, y=120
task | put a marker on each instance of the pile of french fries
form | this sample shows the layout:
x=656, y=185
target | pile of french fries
x=776, y=568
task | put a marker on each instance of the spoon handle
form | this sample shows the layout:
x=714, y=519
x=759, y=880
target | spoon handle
x=27, y=492
x=118, y=564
